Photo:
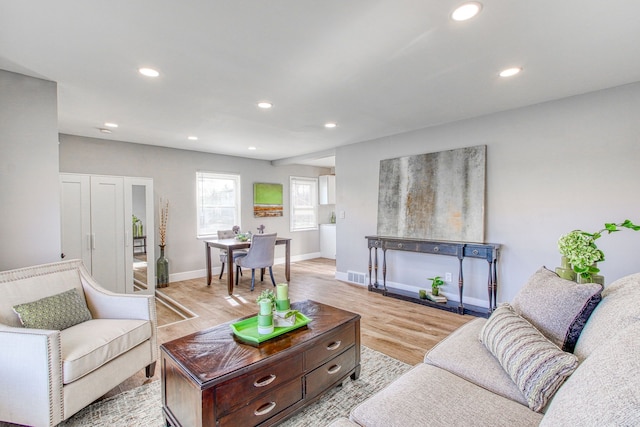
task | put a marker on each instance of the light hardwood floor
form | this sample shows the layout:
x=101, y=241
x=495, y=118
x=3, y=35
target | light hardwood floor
x=400, y=329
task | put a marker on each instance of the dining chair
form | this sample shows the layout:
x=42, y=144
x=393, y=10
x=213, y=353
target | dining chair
x=229, y=234
x=260, y=255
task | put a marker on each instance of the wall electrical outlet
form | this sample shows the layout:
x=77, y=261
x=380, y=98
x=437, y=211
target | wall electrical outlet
x=447, y=277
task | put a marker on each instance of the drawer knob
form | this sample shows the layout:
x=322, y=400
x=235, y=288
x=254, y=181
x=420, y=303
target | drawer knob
x=334, y=345
x=334, y=369
x=264, y=381
x=475, y=252
x=264, y=409
x=400, y=245
x=436, y=249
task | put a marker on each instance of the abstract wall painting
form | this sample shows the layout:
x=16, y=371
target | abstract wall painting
x=267, y=200
x=434, y=196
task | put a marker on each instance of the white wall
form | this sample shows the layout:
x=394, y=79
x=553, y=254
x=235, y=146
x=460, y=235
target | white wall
x=174, y=177
x=29, y=189
x=551, y=168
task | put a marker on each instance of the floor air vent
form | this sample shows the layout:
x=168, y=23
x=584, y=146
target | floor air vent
x=355, y=277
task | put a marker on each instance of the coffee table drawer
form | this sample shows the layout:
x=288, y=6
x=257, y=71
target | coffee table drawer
x=259, y=410
x=249, y=386
x=330, y=346
x=330, y=372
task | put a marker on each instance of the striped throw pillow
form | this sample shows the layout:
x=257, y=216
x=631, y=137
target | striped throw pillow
x=536, y=365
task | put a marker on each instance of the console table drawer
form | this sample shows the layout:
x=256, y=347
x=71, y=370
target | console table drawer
x=332, y=371
x=259, y=410
x=330, y=346
x=247, y=387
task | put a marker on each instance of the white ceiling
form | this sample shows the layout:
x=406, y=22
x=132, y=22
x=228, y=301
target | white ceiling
x=376, y=67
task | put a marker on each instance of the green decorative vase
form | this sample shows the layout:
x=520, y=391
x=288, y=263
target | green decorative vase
x=565, y=271
x=162, y=270
x=592, y=278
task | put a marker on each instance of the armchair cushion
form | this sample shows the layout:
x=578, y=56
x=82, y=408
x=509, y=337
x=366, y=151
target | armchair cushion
x=56, y=312
x=91, y=344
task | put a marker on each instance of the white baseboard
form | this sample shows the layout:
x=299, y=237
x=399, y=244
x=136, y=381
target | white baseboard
x=452, y=296
x=197, y=274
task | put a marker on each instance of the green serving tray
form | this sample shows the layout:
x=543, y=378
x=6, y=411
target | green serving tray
x=247, y=330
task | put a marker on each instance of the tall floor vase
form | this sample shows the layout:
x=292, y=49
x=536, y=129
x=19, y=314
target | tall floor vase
x=162, y=270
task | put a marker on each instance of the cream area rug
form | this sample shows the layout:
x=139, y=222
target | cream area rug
x=142, y=406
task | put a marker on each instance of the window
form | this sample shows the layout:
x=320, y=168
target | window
x=218, y=202
x=304, y=203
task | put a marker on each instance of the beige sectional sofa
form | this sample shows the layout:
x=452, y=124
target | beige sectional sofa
x=503, y=372
x=65, y=341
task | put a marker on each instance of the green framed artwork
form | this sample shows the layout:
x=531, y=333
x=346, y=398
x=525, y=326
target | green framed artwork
x=267, y=200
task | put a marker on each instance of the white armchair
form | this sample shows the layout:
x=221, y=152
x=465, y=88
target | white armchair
x=46, y=376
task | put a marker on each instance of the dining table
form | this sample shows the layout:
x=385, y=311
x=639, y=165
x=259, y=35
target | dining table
x=234, y=244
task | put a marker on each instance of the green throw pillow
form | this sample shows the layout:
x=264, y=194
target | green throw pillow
x=536, y=365
x=56, y=312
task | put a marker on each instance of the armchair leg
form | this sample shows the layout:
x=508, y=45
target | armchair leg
x=221, y=271
x=271, y=274
x=150, y=370
x=237, y=276
x=253, y=278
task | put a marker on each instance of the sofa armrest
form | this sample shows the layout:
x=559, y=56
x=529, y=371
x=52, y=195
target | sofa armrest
x=30, y=376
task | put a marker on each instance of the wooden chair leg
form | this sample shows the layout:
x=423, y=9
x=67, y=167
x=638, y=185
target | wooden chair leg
x=271, y=274
x=253, y=278
x=221, y=271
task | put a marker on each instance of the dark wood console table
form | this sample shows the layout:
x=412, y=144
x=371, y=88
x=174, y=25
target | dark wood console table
x=461, y=250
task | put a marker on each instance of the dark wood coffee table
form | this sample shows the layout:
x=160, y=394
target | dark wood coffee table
x=209, y=378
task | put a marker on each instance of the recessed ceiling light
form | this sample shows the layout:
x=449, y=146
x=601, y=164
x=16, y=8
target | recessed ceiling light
x=265, y=105
x=466, y=11
x=330, y=125
x=510, y=72
x=149, y=72
x=103, y=130
x=192, y=138
x=111, y=125
x=251, y=148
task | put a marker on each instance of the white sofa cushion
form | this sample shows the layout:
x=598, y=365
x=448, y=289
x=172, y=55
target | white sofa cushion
x=463, y=354
x=618, y=309
x=535, y=364
x=604, y=390
x=91, y=344
x=557, y=307
x=427, y=395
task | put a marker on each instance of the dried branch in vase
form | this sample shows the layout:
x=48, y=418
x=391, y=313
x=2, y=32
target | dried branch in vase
x=164, y=216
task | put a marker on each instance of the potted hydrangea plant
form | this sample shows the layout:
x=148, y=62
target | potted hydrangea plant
x=581, y=251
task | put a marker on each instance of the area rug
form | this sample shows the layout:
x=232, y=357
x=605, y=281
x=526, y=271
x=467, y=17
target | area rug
x=142, y=406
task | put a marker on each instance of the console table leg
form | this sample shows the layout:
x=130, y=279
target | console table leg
x=370, y=268
x=384, y=270
x=490, y=287
x=460, y=287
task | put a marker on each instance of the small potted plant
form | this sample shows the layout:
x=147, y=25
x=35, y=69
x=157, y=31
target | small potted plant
x=436, y=282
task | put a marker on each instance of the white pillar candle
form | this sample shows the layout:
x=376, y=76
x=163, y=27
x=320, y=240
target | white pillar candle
x=282, y=291
x=265, y=307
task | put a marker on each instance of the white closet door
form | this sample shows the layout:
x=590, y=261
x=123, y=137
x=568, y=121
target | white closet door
x=75, y=217
x=107, y=225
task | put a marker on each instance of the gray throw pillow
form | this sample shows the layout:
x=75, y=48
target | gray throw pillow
x=56, y=312
x=536, y=365
x=557, y=307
